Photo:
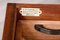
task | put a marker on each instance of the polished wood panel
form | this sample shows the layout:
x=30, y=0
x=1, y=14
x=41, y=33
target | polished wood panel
x=10, y=22
x=49, y=11
x=26, y=30
x=18, y=27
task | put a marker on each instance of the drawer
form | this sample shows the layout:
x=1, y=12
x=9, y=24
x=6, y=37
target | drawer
x=45, y=26
x=30, y=33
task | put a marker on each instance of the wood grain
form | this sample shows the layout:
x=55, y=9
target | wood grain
x=49, y=11
x=10, y=22
x=27, y=30
x=18, y=27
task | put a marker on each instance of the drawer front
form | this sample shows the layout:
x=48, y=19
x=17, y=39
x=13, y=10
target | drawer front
x=27, y=31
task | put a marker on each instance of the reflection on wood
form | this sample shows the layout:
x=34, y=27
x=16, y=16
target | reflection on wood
x=25, y=29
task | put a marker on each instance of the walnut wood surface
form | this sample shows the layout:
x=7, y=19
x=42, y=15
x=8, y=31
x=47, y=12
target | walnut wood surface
x=49, y=11
x=17, y=29
x=10, y=22
x=26, y=30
